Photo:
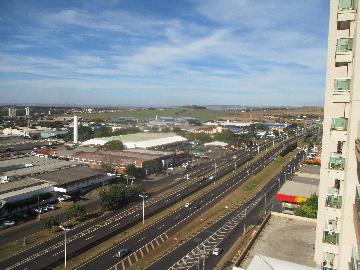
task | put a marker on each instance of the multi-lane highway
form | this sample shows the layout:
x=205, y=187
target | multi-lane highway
x=224, y=232
x=152, y=236
x=51, y=253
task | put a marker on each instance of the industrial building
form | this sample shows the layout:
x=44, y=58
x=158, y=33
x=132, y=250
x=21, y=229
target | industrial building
x=140, y=140
x=338, y=223
x=23, y=189
x=74, y=179
x=29, y=166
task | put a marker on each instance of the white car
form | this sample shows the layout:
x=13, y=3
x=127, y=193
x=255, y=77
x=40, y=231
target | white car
x=51, y=207
x=216, y=251
x=64, y=198
x=9, y=223
x=188, y=204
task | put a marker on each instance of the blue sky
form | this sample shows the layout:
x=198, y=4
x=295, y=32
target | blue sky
x=163, y=52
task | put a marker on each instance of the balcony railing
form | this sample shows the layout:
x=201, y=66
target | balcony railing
x=337, y=162
x=341, y=85
x=355, y=260
x=357, y=200
x=344, y=44
x=333, y=201
x=327, y=266
x=331, y=237
x=339, y=123
x=346, y=4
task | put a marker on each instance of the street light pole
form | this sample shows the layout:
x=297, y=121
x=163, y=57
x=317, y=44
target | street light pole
x=65, y=248
x=143, y=196
x=65, y=230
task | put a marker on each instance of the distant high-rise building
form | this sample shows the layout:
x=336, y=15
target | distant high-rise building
x=338, y=227
x=27, y=111
x=76, y=126
x=12, y=112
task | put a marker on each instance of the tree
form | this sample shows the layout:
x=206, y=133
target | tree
x=49, y=223
x=85, y=133
x=102, y=132
x=108, y=168
x=76, y=211
x=308, y=208
x=120, y=195
x=226, y=136
x=114, y=145
x=152, y=166
x=133, y=171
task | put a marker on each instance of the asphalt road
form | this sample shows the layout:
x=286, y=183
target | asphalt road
x=224, y=232
x=156, y=233
x=32, y=226
x=50, y=253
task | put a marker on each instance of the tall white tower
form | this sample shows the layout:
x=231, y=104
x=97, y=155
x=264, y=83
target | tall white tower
x=27, y=111
x=338, y=220
x=76, y=126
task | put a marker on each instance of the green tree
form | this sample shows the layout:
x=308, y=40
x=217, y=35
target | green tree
x=120, y=195
x=102, y=132
x=49, y=223
x=85, y=133
x=76, y=211
x=114, y=145
x=178, y=131
x=133, y=171
x=108, y=168
x=226, y=136
x=152, y=166
x=309, y=208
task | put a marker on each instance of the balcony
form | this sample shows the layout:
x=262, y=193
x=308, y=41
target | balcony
x=333, y=199
x=331, y=237
x=341, y=86
x=357, y=149
x=355, y=260
x=337, y=162
x=346, y=4
x=357, y=201
x=339, y=123
x=344, y=44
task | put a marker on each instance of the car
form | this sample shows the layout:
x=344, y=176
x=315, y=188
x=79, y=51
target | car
x=51, y=207
x=39, y=210
x=44, y=208
x=64, y=198
x=216, y=251
x=188, y=204
x=9, y=223
x=3, y=226
x=122, y=252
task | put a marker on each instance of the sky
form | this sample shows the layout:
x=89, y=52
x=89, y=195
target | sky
x=163, y=52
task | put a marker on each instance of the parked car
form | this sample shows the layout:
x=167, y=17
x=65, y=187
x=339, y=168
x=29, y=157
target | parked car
x=216, y=251
x=51, y=206
x=3, y=226
x=122, y=252
x=9, y=223
x=188, y=204
x=64, y=198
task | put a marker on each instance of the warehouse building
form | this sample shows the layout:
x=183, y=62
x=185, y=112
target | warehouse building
x=140, y=140
x=74, y=179
x=29, y=166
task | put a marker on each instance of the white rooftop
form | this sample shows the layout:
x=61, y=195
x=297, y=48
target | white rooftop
x=260, y=262
x=139, y=140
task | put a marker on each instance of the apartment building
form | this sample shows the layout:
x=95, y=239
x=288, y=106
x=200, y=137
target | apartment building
x=338, y=226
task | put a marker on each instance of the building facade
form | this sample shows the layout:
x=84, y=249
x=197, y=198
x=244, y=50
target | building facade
x=337, y=234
